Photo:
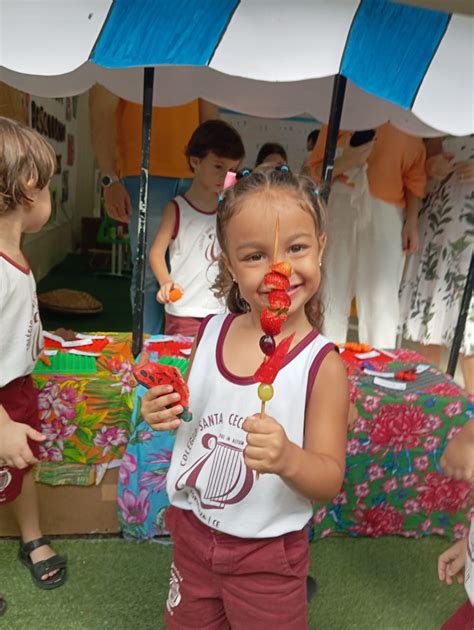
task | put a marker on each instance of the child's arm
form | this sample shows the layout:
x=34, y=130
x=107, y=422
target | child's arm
x=158, y=253
x=14, y=449
x=317, y=469
x=457, y=460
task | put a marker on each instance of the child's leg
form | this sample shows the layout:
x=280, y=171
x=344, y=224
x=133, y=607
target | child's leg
x=194, y=597
x=431, y=352
x=267, y=585
x=26, y=510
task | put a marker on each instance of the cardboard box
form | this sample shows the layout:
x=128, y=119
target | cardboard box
x=73, y=509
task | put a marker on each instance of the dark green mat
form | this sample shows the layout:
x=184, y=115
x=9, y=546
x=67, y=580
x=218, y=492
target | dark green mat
x=113, y=292
x=365, y=584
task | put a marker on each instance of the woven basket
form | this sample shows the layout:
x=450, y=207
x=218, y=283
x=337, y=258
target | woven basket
x=69, y=301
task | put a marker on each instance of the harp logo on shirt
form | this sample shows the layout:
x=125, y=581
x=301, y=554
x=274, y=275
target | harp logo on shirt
x=220, y=477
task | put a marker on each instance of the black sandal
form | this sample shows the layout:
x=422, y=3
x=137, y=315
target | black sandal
x=38, y=569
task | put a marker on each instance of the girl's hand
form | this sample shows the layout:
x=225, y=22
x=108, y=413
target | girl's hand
x=465, y=171
x=457, y=460
x=157, y=408
x=410, y=238
x=268, y=447
x=163, y=296
x=439, y=166
x=451, y=563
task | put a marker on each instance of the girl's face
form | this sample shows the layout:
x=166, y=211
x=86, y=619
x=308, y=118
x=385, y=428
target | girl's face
x=250, y=237
x=39, y=210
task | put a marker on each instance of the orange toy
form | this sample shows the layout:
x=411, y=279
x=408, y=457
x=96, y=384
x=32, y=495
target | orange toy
x=175, y=295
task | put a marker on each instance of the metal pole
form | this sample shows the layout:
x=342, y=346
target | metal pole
x=141, y=258
x=461, y=323
x=337, y=102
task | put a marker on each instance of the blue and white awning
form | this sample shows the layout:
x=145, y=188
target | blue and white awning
x=409, y=65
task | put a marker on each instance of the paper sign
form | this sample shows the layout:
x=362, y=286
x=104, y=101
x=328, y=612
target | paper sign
x=390, y=384
x=381, y=374
x=422, y=368
x=368, y=355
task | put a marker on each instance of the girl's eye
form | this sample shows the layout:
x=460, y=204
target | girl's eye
x=254, y=257
x=295, y=249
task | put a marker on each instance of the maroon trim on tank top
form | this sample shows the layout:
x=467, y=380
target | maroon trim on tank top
x=314, y=369
x=176, y=220
x=25, y=270
x=202, y=328
x=249, y=380
x=197, y=209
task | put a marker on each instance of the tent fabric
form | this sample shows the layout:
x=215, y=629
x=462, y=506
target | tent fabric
x=275, y=58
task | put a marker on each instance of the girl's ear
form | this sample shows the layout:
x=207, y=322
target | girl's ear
x=322, y=240
x=226, y=263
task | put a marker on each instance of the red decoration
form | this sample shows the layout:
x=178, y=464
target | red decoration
x=268, y=370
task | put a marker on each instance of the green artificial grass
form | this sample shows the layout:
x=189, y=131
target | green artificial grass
x=113, y=291
x=365, y=584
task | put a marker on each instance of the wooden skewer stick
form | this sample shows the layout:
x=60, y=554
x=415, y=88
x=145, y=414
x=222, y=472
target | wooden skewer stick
x=262, y=413
x=277, y=239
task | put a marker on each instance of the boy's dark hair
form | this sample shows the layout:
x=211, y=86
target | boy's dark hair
x=268, y=149
x=216, y=136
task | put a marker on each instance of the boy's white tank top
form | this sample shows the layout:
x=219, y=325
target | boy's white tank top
x=193, y=260
x=208, y=474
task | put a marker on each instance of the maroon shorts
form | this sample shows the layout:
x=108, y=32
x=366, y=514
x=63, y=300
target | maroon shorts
x=463, y=618
x=220, y=582
x=187, y=326
x=20, y=400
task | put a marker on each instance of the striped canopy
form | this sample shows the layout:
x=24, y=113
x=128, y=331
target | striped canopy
x=274, y=58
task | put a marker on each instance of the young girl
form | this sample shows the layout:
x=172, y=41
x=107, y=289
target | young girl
x=188, y=229
x=241, y=549
x=27, y=163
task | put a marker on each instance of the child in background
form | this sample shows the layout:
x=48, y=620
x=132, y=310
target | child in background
x=241, y=547
x=27, y=163
x=458, y=462
x=188, y=229
x=271, y=153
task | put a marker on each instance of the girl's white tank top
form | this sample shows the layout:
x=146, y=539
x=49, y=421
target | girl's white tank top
x=208, y=474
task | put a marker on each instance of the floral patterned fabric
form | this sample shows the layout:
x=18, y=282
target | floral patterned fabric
x=86, y=418
x=142, y=497
x=435, y=276
x=393, y=482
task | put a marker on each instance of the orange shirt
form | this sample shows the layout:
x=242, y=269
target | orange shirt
x=172, y=128
x=396, y=164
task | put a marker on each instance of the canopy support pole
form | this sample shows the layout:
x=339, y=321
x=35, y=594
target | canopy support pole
x=337, y=102
x=461, y=323
x=141, y=257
